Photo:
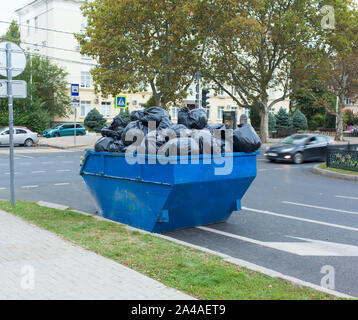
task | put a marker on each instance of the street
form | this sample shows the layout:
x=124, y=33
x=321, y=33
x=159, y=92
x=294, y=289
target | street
x=293, y=222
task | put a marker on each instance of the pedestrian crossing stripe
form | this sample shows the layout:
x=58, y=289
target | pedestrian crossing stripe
x=121, y=102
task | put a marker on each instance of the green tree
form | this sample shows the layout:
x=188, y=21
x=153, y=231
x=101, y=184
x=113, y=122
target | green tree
x=94, y=121
x=251, y=49
x=156, y=45
x=283, y=119
x=299, y=121
x=13, y=33
x=47, y=92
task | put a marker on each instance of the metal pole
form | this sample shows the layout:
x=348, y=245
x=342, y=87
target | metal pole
x=197, y=99
x=11, y=121
x=75, y=110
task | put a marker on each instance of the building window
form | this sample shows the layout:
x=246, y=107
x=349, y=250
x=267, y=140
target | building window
x=348, y=102
x=220, y=113
x=28, y=27
x=36, y=24
x=175, y=110
x=85, y=108
x=106, y=109
x=85, y=79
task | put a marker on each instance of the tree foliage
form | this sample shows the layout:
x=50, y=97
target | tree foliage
x=47, y=92
x=283, y=119
x=272, y=122
x=94, y=121
x=154, y=44
x=299, y=121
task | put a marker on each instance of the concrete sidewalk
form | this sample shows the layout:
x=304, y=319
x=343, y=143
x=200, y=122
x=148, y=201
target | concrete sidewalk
x=82, y=142
x=37, y=264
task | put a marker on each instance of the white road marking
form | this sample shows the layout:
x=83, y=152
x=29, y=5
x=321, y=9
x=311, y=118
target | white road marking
x=2, y=188
x=61, y=184
x=20, y=155
x=346, y=197
x=317, y=207
x=29, y=187
x=64, y=170
x=46, y=162
x=301, y=219
x=38, y=171
x=308, y=248
x=8, y=173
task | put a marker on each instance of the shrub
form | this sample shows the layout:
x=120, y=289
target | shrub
x=299, y=120
x=94, y=121
x=283, y=119
x=318, y=120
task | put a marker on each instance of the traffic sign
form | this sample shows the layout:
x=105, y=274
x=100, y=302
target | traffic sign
x=121, y=101
x=75, y=90
x=19, y=89
x=18, y=59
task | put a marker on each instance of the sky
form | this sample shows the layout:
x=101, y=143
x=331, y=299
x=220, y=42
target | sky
x=7, y=12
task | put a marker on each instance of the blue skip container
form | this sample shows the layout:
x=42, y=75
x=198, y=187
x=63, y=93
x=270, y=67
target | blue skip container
x=164, y=197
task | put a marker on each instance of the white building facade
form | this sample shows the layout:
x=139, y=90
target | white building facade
x=47, y=27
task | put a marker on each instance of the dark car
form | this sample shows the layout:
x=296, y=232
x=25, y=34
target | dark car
x=299, y=148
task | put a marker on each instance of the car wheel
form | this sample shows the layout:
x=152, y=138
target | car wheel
x=28, y=143
x=56, y=135
x=298, y=158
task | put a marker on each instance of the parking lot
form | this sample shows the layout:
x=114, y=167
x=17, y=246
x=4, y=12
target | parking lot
x=292, y=222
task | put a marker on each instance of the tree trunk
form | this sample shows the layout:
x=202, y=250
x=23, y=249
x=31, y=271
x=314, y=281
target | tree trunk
x=264, y=130
x=339, y=126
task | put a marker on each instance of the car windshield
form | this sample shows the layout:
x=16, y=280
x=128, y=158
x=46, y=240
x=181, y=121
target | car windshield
x=55, y=127
x=2, y=129
x=295, y=139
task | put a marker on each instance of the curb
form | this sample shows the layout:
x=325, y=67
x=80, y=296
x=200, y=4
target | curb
x=332, y=174
x=64, y=148
x=229, y=259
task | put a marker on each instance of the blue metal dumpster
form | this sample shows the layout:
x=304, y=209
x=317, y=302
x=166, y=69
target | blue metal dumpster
x=159, y=198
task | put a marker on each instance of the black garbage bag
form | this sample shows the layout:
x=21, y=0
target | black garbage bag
x=150, y=144
x=164, y=124
x=137, y=115
x=135, y=127
x=174, y=131
x=155, y=114
x=117, y=146
x=183, y=116
x=245, y=139
x=103, y=144
x=215, y=126
x=179, y=147
x=207, y=143
x=117, y=123
x=197, y=119
x=115, y=134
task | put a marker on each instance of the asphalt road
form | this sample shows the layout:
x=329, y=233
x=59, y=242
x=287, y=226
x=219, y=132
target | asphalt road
x=293, y=221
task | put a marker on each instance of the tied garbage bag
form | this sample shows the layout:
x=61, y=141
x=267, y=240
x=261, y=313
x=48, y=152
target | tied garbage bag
x=155, y=114
x=179, y=147
x=133, y=131
x=197, y=119
x=164, y=124
x=117, y=123
x=103, y=144
x=246, y=139
x=174, y=131
x=106, y=132
x=207, y=143
x=137, y=115
x=183, y=117
x=215, y=126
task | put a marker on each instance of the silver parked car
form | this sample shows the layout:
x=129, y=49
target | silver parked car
x=22, y=136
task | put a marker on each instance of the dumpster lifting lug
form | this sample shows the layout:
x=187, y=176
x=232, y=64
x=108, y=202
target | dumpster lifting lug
x=238, y=205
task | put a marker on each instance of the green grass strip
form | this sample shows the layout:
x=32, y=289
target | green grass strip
x=204, y=276
x=324, y=166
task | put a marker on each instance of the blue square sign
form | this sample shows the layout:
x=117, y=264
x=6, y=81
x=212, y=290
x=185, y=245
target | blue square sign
x=121, y=101
x=75, y=90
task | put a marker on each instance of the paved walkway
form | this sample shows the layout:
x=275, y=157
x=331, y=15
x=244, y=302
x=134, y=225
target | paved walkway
x=37, y=264
x=83, y=142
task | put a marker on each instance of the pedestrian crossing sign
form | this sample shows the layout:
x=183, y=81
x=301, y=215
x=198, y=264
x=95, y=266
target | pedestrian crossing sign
x=121, y=101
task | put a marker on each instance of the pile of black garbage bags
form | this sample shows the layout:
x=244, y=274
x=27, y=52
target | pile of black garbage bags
x=155, y=133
